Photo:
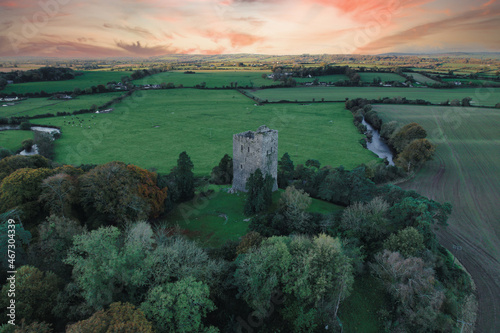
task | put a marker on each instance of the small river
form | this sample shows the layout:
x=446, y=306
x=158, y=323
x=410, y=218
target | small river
x=378, y=146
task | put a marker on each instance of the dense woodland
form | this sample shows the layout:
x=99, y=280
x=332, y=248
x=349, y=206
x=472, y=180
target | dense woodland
x=91, y=257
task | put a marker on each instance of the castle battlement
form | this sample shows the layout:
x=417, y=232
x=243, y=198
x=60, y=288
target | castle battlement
x=252, y=151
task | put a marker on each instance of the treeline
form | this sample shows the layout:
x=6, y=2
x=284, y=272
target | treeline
x=37, y=75
x=408, y=142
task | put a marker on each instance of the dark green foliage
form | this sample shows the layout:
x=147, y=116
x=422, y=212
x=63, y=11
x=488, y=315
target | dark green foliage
x=40, y=74
x=25, y=126
x=184, y=177
x=345, y=187
x=409, y=242
x=45, y=144
x=259, y=196
x=13, y=163
x=415, y=154
x=223, y=173
x=27, y=144
x=285, y=170
x=406, y=135
x=4, y=152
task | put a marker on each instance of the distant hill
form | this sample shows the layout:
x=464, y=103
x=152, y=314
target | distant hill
x=479, y=55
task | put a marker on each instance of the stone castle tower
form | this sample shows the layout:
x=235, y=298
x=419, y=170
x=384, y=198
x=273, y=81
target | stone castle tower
x=254, y=150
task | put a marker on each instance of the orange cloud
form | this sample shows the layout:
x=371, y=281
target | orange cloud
x=366, y=9
x=481, y=19
x=236, y=39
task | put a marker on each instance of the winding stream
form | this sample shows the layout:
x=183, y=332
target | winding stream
x=378, y=146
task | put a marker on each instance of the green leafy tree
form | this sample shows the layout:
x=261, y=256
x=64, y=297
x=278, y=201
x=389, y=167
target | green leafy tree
x=110, y=192
x=119, y=318
x=27, y=144
x=409, y=242
x=22, y=239
x=55, y=238
x=223, y=173
x=285, y=170
x=312, y=274
x=294, y=203
x=184, y=177
x=260, y=191
x=34, y=294
x=179, y=306
x=346, y=187
x=105, y=269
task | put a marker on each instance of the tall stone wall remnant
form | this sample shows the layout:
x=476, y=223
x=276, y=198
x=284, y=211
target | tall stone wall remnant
x=254, y=150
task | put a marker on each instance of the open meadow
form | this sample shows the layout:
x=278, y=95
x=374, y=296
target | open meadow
x=212, y=78
x=480, y=96
x=464, y=172
x=368, y=77
x=87, y=80
x=421, y=78
x=12, y=139
x=35, y=106
x=151, y=128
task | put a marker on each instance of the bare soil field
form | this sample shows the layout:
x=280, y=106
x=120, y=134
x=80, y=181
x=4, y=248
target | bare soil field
x=465, y=173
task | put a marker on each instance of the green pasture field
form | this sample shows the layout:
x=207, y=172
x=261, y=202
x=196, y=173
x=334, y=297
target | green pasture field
x=36, y=106
x=212, y=222
x=368, y=77
x=480, y=96
x=475, y=81
x=326, y=78
x=421, y=78
x=87, y=80
x=212, y=78
x=151, y=128
x=12, y=139
x=464, y=170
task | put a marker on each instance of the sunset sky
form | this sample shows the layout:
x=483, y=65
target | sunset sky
x=113, y=28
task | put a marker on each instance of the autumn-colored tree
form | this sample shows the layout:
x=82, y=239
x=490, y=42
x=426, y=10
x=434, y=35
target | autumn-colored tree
x=34, y=327
x=415, y=154
x=21, y=189
x=417, y=295
x=119, y=318
x=250, y=240
x=35, y=294
x=58, y=193
x=110, y=191
x=148, y=189
x=406, y=135
x=12, y=163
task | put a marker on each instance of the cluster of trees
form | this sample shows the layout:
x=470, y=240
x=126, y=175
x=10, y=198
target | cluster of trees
x=40, y=74
x=88, y=259
x=409, y=142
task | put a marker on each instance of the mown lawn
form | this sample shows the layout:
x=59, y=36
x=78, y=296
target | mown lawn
x=87, y=80
x=213, y=221
x=152, y=128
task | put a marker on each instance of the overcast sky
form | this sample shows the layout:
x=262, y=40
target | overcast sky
x=91, y=28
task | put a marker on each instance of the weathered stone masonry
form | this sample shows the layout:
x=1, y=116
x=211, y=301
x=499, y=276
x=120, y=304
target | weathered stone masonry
x=254, y=150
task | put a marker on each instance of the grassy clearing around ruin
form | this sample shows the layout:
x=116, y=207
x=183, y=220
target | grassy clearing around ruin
x=465, y=168
x=12, y=139
x=87, y=80
x=211, y=222
x=480, y=96
x=212, y=78
x=151, y=128
x=35, y=106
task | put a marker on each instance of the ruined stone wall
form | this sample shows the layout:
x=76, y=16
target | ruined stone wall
x=254, y=150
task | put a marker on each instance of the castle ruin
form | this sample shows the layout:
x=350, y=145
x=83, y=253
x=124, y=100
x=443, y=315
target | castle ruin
x=252, y=151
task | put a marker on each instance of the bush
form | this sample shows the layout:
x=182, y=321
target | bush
x=25, y=126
